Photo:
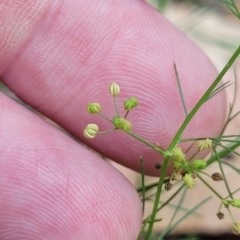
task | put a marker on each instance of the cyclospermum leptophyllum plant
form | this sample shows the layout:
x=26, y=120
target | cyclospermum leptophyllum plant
x=185, y=170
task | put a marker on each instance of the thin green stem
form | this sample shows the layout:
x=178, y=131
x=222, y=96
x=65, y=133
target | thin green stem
x=177, y=137
x=180, y=90
x=168, y=200
x=143, y=227
x=157, y=197
x=150, y=186
x=233, y=192
x=179, y=205
x=230, y=117
x=186, y=215
x=107, y=131
x=126, y=114
x=157, y=149
x=222, y=153
x=231, y=216
x=142, y=183
x=223, y=174
x=116, y=105
x=105, y=117
x=202, y=100
x=207, y=185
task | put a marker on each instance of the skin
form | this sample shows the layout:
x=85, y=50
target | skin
x=57, y=56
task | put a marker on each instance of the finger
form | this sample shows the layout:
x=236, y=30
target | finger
x=53, y=188
x=77, y=49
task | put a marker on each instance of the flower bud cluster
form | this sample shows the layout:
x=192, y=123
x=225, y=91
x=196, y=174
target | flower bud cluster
x=190, y=167
x=178, y=158
x=188, y=180
x=179, y=162
x=122, y=123
x=119, y=123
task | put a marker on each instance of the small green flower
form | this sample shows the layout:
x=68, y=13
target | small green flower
x=198, y=164
x=181, y=164
x=122, y=123
x=178, y=158
x=114, y=89
x=177, y=176
x=178, y=155
x=236, y=228
x=94, y=108
x=91, y=130
x=130, y=103
x=234, y=203
x=204, y=144
x=188, y=180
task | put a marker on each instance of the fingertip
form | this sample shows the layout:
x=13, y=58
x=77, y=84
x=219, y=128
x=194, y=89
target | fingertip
x=53, y=188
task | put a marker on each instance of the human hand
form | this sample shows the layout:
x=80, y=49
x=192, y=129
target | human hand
x=59, y=56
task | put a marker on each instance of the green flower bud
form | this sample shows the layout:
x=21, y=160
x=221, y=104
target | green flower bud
x=181, y=164
x=122, y=123
x=178, y=155
x=94, y=108
x=188, y=180
x=114, y=89
x=236, y=228
x=91, y=130
x=130, y=103
x=234, y=203
x=204, y=144
x=178, y=158
x=198, y=164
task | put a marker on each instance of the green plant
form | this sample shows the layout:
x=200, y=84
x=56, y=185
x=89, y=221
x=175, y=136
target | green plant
x=185, y=170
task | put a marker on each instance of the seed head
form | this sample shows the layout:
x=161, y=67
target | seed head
x=122, y=123
x=217, y=176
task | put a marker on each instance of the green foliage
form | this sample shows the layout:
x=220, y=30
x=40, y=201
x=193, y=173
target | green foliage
x=185, y=170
